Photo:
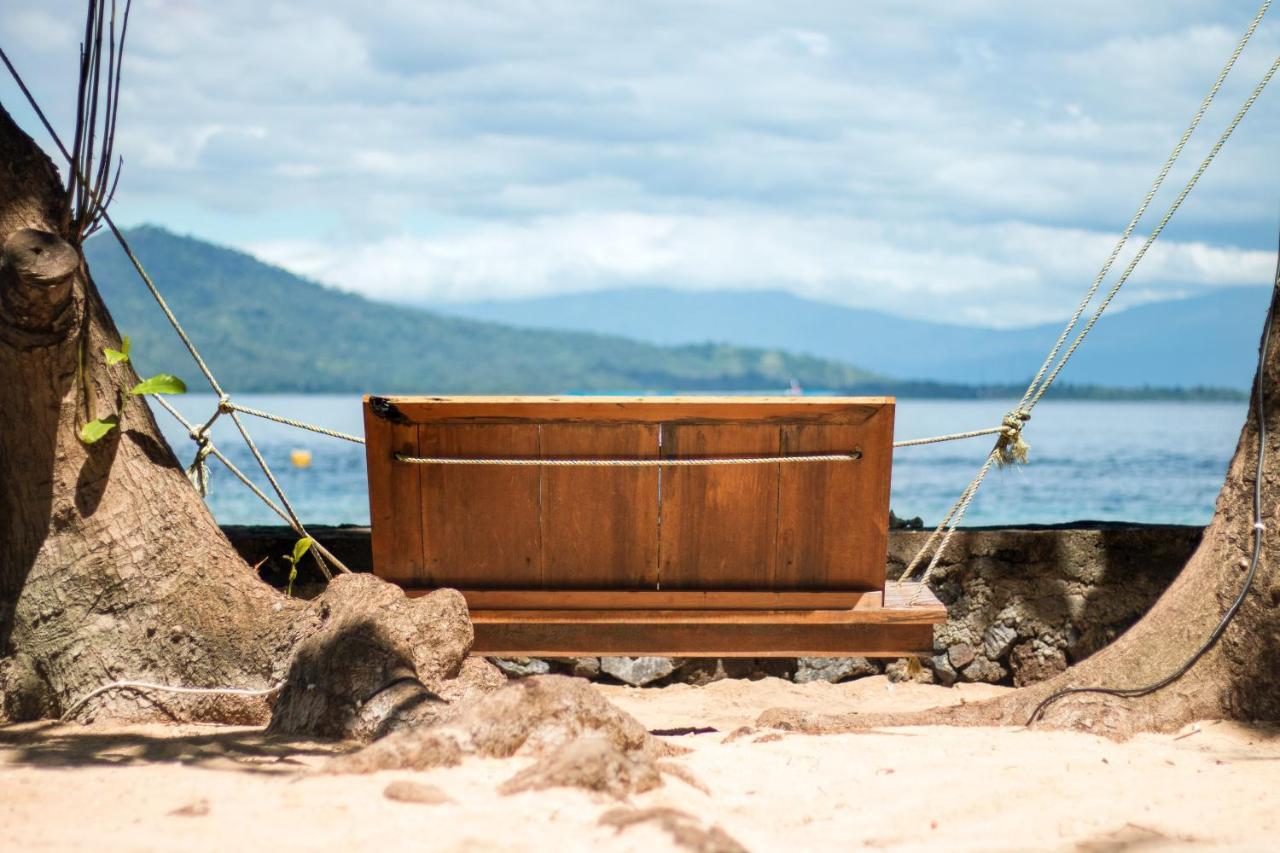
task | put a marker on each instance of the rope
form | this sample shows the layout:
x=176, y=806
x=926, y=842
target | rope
x=632, y=463
x=243, y=478
x=954, y=436
x=224, y=400
x=1010, y=447
x=165, y=688
x=280, y=419
x=1146, y=201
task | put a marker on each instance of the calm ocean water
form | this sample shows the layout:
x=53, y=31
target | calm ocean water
x=1145, y=462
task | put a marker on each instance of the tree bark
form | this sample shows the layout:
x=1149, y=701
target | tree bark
x=1239, y=678
x=111, y=566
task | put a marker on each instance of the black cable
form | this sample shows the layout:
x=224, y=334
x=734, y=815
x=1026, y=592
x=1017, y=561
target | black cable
x=1258, y=530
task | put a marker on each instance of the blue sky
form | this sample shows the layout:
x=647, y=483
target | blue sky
x=963, y=161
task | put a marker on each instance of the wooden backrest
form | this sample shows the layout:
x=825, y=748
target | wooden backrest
x=786, y=526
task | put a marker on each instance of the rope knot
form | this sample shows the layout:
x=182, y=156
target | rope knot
x=1010, y=448
x=198, y=470
x=224, y=405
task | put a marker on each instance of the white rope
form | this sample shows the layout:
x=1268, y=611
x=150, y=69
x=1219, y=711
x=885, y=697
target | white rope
x=1146, y=201
x=632, y=463
x=280, y=419
x=954, y=436
x=165, y=688
x=1005, y=451
x=209, y=449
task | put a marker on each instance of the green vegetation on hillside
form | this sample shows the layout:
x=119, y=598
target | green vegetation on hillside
x=264, y=329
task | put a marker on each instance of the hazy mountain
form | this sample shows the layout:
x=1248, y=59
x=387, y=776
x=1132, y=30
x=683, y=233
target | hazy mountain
x=262, y=328
x=1205, y=340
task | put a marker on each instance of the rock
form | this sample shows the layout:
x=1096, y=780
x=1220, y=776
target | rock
x=997, y=640
x=960, y=655
x=521, y=667
x=591, y=762
x=588, y=668
x=832, y=669
x=638, y=671
x=1032, y=662
x=909, y=669
x=943, y=672
x=702, y=671
x=406, y=791
x=984, y=670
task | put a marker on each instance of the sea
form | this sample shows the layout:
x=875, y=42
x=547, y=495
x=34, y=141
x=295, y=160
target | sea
x=1149, y=462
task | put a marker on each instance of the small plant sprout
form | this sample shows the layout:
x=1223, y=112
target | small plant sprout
x=116, y=356
x=161, y=383
x=300, y=548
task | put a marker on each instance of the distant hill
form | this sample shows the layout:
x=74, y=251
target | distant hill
x=1206, y=340
x=262, y=328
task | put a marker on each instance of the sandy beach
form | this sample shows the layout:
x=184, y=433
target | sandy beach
x=213, y=788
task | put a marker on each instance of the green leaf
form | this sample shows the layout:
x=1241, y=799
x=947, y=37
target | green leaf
x=300, y=548
x=115, y=356
x=161, y=383
x=95, y=430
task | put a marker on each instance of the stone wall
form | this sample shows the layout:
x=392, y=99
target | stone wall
x=1023, y=603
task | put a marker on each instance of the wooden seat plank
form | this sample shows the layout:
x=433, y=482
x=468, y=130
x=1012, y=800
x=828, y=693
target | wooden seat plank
x=719, y=524
x=395, y=493
x=636, y=599
x=833, y=516
x=480, y=523
x=780, y=558
x=599, y=525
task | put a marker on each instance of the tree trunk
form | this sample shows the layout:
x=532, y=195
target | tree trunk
x=111, y=566
x=1239, y=678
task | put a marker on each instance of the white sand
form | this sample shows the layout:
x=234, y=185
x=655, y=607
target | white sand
x=74, y=787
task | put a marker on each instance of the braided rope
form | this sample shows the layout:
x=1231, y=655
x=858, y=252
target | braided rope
x=212, y=450
x=1146, y=201
x=1010, y=447
x=632, y=463
x=280, y=419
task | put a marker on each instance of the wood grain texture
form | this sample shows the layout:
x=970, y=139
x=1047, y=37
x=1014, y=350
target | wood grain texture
x=638, y=409
x=636, y=599
x=480, y=523
x=599, y=525
x=877, y=616
x=571, y=639
x=719, y=524
x=833, y=516
x=395, y=493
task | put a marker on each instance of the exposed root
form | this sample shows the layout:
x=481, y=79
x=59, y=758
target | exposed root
x=532, y=716
x=591, y=762
x=370, y=659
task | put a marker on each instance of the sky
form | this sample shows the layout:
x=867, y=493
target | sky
x=967, y=162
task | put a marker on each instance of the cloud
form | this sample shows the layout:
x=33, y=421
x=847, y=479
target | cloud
x=1001, y=274
x=867, y=153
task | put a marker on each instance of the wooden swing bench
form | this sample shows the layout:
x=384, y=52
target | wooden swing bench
x=689, y=526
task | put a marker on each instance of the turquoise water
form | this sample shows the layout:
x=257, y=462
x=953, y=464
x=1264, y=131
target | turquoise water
x=1144, y=462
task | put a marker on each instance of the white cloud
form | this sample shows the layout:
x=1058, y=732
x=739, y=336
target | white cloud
x=999, y=274
x=867, y=153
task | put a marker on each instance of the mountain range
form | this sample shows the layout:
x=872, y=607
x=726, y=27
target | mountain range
x=1208, y=340
x=264, y=329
